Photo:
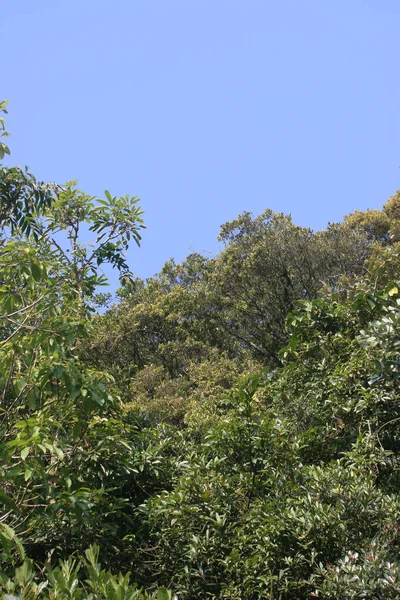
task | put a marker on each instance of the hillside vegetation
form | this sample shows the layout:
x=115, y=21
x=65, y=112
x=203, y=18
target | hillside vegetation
x=229, y=429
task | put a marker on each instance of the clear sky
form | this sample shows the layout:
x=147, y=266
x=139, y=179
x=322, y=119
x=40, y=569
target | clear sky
x=207, y=108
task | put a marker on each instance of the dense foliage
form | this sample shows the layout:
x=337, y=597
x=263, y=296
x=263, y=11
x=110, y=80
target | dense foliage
x=228, y=429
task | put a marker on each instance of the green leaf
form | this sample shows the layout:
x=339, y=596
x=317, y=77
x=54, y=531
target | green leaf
x=7, y=501
x=59, y=452
x=163, y=594
x=7, y=531
x=36, y=271
x=21, y=384
x=25, y=452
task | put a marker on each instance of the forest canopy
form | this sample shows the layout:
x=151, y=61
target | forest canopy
x=228, y=429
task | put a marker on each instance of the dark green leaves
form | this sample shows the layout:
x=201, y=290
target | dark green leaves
x=7, y=501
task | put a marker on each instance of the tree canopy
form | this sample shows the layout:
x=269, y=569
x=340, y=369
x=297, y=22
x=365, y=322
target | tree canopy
x=228, y=429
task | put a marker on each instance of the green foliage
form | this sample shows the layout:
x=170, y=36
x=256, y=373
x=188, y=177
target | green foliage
x=268, y=265
x=79, y=579
x=375, y=223
x=22, y=198
x=165, y=346
x=229, y=430
x=298, y=475
x=178, y=341
x=3, y=130
x=50, y=400
x=114, y=220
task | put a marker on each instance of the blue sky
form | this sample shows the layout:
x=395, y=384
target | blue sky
x=207, y=108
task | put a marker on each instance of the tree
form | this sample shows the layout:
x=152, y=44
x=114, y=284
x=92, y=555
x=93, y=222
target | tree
x=294, y=494
x=219, y=316
x=268, y=265
x=379, y=225
x=50, y=399
x=164, y=344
